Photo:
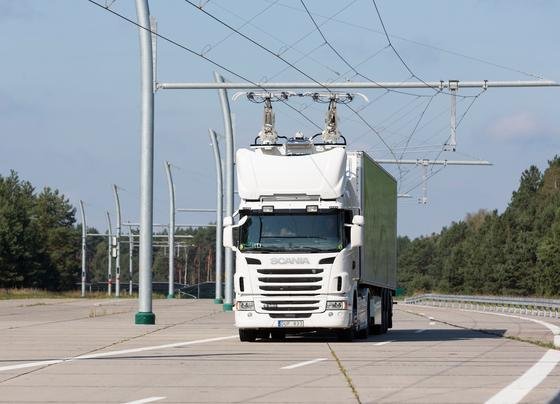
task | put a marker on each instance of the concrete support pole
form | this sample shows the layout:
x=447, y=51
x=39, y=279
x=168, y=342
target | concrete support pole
x=145, y=314
x=171, y=233
x=219, y=215
x=228, y=273
x=109, y=255
x=130, y=253
x=84, y=232
x=118, y=246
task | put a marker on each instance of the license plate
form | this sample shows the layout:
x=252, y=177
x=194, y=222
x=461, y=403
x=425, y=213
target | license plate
x=290, y=323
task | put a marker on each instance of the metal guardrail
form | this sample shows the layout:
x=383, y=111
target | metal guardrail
x=517, y=305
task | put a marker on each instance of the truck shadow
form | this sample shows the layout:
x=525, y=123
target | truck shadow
x=399, y=335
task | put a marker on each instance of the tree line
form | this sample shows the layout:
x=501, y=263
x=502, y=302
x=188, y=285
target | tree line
x=40, y=244
x=516, y=252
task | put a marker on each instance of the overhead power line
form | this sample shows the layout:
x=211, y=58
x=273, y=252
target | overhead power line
x=248, y=38
x=437, y=48
x=200, y=55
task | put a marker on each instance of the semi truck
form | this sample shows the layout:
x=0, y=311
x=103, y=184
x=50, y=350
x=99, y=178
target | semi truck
x=315, y=243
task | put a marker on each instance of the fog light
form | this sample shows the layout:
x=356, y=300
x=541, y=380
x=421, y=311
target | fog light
x=337, y=305
x=244, y=306
x=312, y=208
x=268, y=209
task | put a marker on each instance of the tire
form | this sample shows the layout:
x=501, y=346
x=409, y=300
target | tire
x=382, y=328
x=385, y=312
x=347, y=334
x=247, y=335
x=390, y=314
x=364, y=333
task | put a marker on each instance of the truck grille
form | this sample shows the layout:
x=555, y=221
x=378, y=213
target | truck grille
x=290, y=292
x=287, y=280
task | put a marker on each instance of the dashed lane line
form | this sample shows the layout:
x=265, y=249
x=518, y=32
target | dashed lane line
x=516, y=391
x=112, y=353
x=298, y=365
x=145, y=400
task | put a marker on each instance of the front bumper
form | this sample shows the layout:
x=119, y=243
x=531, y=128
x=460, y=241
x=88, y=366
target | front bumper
x=328, y=319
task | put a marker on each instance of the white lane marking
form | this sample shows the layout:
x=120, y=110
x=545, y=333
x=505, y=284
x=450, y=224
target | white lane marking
x=31, y=364
x=554, y=328
x=145, y=400
x=515, y=392
x=382, y=343
x=431, y=318
x=432, y=323
x=112, y=353
x=419, y=331
x=298, y=365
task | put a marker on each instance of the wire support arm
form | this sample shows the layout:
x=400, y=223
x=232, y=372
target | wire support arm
x=355, y=84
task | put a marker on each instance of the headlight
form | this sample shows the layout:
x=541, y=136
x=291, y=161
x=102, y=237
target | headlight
x=337, y=305
x=244, y=306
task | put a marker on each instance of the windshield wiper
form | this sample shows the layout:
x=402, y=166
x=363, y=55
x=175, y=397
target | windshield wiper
x=264, y=249
x=313, y=249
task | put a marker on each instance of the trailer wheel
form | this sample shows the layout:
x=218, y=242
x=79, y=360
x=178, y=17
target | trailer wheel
x=390, y=314
x=364, y=333
x=247, y=335
x=382, y=328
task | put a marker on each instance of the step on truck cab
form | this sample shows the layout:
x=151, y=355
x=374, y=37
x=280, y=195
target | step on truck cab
x=315, y=243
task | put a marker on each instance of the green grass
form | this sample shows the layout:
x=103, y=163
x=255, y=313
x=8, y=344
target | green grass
x=28, y=293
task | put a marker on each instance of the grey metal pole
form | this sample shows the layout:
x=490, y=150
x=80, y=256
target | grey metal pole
x=171, y=232
x=109, y=255
x=219, y=215
x=130, y=252
x=228, y=273
x=145, y=314
x=421, y=162
x=442, y=84
x=84, y=236
x=118, y=247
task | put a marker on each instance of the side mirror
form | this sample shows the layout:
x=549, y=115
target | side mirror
x=227, y=236
x=357, y=231
x=358, y=219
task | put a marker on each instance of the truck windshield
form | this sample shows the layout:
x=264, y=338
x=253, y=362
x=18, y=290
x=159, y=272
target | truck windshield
x=279, y=232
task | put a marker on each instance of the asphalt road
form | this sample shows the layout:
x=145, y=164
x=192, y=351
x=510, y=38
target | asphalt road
x=87, y=351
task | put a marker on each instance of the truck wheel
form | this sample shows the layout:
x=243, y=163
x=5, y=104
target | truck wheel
x=364, y=333
x=246, y=335
x=382, y=328
x=347, y=334
x=390, y=313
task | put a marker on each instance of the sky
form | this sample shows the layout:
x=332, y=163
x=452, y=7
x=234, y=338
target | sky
x=69, y=98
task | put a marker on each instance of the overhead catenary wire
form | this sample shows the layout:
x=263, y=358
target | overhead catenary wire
x=200, y=55
x=437, y=48
x=256, y=43
x=210, y=47
x=291, y=46
x=343, y=59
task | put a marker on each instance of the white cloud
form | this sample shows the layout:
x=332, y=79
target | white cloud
x=521, y=125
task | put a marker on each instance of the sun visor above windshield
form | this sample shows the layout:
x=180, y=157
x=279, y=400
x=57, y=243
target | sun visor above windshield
x=318, y=174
